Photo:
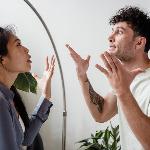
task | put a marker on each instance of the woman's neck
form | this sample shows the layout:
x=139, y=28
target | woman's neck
x=7, y=78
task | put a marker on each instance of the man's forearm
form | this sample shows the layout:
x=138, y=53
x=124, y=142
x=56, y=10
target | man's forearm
x=95, y=98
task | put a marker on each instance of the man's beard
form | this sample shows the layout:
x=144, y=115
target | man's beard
x=123, y=57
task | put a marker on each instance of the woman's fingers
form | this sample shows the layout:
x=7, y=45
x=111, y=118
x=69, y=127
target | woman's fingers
x=52, y=60
x=49, y=65
x=88, y=58
x=46, y=63
x=36, y=77
x=51, y=68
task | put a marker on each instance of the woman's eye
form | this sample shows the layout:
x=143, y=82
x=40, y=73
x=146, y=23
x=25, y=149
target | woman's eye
x=19, y=44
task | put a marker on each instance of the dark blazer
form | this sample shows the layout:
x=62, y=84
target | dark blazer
x=20, y=107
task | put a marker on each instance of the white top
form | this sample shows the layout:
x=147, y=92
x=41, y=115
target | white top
x=140, y=89
x=23, y=128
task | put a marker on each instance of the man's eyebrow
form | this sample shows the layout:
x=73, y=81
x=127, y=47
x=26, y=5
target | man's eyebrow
x=119, y=28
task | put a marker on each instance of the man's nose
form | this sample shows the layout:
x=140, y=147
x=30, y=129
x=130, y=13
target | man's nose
x=111, y=37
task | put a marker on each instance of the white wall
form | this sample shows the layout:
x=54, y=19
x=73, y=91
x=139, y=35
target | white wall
x=84, y=25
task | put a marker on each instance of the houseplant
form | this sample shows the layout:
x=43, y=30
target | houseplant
x=26, y=82
x=107, y=139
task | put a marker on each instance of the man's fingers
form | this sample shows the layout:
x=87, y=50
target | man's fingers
x=71, y=50
x=137, y=71
x=106, y=62
x=117, y=62
x=75, y=58
x=110, y=61
x=102, y=69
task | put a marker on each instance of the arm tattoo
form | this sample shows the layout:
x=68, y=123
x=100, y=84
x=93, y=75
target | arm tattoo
x=96, y=99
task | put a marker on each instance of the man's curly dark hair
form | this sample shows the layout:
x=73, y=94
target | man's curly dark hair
x=137, y=19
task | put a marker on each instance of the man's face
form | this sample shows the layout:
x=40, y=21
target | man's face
x=122, y=41
x=17, y=60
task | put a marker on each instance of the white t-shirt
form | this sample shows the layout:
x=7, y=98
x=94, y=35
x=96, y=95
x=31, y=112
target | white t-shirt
x=140, y=89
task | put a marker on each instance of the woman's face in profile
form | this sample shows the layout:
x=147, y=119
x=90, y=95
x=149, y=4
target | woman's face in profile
x=17, y=59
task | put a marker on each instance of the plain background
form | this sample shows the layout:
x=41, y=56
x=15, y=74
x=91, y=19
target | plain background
x=84, y=25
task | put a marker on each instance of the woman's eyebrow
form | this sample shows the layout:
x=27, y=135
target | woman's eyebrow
x=17, y=40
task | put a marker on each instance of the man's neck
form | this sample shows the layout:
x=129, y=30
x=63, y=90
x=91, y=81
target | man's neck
x=143, y=63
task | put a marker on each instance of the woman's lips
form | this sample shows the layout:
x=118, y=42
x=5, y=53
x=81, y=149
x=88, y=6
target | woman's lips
x=29, y=61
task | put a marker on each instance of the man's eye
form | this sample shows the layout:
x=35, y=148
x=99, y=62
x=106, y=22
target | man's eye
x=120, y=32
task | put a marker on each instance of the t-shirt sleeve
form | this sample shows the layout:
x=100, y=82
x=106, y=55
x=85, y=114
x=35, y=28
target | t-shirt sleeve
x=148, y=110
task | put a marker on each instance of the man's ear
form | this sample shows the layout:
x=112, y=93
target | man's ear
x=140, y=43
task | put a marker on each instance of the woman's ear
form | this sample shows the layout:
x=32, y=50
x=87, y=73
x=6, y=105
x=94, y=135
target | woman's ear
x=1, y=59
x=140, y=43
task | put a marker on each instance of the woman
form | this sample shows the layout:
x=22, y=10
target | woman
x=15, y=59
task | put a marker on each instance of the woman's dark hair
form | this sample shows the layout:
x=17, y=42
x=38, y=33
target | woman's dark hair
x=20, y=107
x=5, y=34
x=137, y=19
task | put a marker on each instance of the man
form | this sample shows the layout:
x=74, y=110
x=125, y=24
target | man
x=128, y=71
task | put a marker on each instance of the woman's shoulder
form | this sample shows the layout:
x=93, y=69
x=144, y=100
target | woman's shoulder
x=3, y=100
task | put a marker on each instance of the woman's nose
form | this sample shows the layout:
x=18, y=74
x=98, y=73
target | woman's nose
x=26, y=49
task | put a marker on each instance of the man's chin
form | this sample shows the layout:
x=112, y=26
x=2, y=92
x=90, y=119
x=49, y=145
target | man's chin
x=111, y=51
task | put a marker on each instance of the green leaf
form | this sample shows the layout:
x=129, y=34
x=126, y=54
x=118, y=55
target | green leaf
x=107, y=139
x=99, y=134
x=84, y=140
x=85, y=144
x=93, y=146
x=26, y=82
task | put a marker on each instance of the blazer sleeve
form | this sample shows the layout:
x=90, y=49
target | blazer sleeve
x=39, y=116
x=7, y=132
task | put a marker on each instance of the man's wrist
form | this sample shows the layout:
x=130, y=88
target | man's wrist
x=122, y=93
x=83, y=78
